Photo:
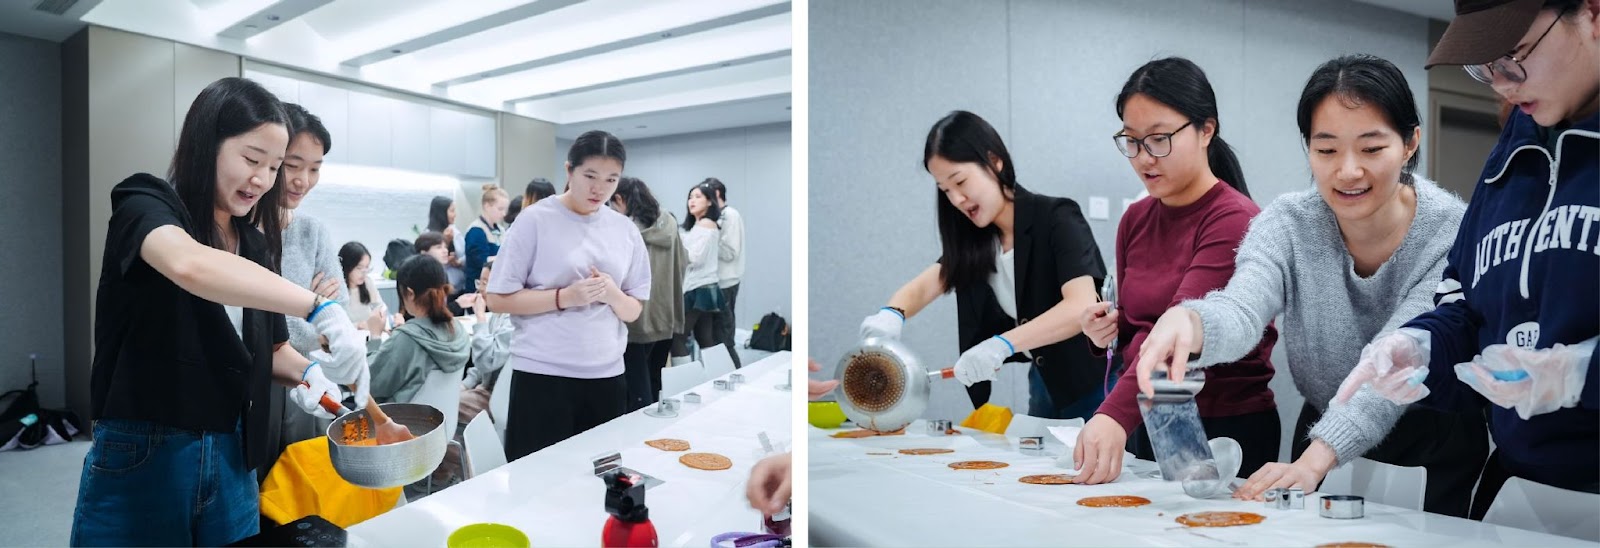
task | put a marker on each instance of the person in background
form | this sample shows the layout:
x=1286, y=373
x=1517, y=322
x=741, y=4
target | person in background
x=491, y=348
x=572, y=274
x=702, y=297
x=442, y=219
x=1517, y=313
x=1175, y=245
x=433, y=245
x=650, y=336
x=309, y=259
x=483, y=239
x=730, y=267
x=1023, y=266
x=538, y=189
x=430, y=341
x=511, y=213
x=365, y=307
x=190, y=335
x=1363, y=249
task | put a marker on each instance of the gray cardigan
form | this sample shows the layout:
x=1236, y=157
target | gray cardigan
x=1293, y=261
x=307, y=250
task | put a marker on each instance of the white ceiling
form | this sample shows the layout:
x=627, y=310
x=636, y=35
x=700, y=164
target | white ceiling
x=674, y=66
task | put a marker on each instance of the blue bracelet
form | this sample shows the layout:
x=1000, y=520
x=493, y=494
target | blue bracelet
x=308, y=370
x=324, y=304
x=1008, y=343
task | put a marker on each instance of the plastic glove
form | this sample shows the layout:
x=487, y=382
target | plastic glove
x=885, y=324
x=313, y=386
x=347, y=348
x=1533, y=382
x=1394, y=366
x=982, y=362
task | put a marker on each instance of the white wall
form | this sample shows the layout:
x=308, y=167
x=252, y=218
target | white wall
x=754, y=163
x=1046, y=75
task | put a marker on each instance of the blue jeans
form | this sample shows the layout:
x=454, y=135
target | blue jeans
x=1041, y=405
x=145, y=484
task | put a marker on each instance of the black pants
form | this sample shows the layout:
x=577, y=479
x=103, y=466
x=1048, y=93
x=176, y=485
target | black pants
x=725, y=323
x=546, y=409
x=644, y=362
x=1450, y=446
x=1258, y=435
x=699, y=323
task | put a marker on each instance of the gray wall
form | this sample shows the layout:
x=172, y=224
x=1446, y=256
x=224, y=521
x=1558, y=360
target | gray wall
x=754, y=162
x=1045, y=74
x=30, y=190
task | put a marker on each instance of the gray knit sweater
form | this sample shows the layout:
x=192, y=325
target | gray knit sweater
x=307, y=250
x=1294, y=261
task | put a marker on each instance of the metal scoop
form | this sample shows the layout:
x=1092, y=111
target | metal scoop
x=1172, y=419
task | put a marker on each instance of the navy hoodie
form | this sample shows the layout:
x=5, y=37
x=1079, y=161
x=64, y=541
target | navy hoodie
x=1525, y=270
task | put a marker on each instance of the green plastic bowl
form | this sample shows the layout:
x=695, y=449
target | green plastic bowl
x=487, y=535
x=825, y=414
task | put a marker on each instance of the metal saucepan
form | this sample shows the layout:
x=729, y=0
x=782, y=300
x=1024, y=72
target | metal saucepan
x=883, y=385
x=396, y=464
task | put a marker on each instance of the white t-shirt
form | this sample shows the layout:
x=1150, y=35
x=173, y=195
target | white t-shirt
x=236, y=317
x=1004, y=281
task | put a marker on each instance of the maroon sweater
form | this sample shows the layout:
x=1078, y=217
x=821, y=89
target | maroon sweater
x=1167, y=255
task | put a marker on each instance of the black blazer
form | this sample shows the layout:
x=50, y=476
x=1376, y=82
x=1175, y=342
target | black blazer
x=1052, y=245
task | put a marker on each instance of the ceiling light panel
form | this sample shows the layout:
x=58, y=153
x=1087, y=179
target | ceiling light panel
x=763, y=36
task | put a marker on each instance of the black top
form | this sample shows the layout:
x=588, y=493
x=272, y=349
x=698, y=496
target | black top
x=1052, y=245
x=164, y=355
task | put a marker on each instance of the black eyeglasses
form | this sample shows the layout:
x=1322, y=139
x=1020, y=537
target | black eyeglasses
x=1509, y=66
x=1159, y=145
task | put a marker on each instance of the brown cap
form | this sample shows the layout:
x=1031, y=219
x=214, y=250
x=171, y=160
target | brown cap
x=1484, y=30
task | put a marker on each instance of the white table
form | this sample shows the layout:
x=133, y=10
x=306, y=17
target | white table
x=857, y=499
x=553, y=496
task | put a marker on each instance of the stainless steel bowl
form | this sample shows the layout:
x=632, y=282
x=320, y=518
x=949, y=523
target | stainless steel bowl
x=882, y=385
x=393, y=465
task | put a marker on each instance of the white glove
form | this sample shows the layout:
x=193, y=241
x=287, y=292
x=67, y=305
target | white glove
x=347, y=348
x=982, y=362
x=361, y=385
x=885, y=324
x=309, y=394
x=1533, y=382
x=1394, y=366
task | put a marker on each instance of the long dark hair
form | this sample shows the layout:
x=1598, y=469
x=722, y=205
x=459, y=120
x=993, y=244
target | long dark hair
x=595, y=143
x=303, y=121
x=1358, y=79
x=713, y=211
x=350, y=255
x=424, y=277
x=225, y=109
x=538, y=189
x=439, y=213
x=1180, y=84
x=642, y=205
x=963, y=137
x=716, y=185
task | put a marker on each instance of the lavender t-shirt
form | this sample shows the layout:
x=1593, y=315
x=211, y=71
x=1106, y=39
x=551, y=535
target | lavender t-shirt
x=549, y=247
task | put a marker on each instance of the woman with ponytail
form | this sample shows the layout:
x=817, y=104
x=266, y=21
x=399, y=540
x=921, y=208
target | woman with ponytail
x=429, y=341
x=1177, y=244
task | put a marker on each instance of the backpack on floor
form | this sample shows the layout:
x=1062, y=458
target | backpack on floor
x=771, y=335
x=24, y=424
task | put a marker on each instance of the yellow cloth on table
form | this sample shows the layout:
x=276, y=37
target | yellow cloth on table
x=989, y=418
x=304, y=483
